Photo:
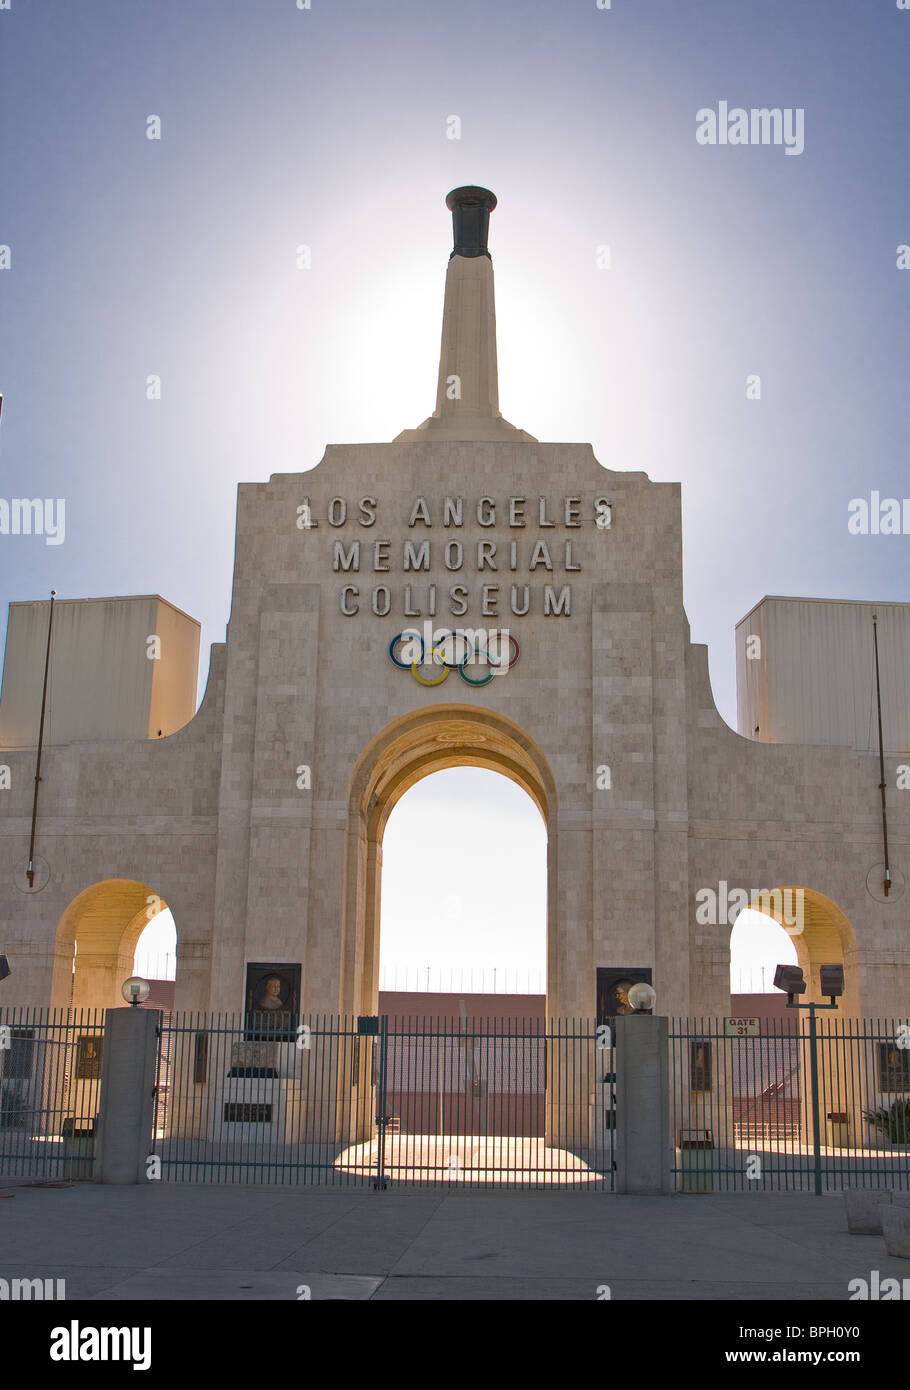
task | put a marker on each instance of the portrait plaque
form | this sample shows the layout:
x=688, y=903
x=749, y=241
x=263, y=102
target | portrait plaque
x=893, y=1067
x=613, y=985
x=272, y=1002
x=201, y=1059
x=700, y=1064
x=88, y=1057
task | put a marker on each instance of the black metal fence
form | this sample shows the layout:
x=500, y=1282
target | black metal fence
x=811, y=1104
x=50, y=1086
x=806, y=1104
x=378, y=1101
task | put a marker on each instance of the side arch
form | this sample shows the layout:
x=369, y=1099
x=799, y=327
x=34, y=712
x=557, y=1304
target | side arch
x=100, y=926
x=822, y=934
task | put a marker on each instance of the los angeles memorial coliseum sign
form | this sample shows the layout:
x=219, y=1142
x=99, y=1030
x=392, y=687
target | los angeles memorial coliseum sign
x=554, y=550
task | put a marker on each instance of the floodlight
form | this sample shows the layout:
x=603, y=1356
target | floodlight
x=832, y=980
x=790, y=978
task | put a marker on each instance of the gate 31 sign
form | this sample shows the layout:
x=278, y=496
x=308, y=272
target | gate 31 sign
x=742, y=1027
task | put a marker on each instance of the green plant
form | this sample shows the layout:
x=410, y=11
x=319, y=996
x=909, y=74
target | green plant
x=893, y=1120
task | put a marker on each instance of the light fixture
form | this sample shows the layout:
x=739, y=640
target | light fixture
x=790, y=978
x=831, y=980
x=135, y=990
x=642, y=997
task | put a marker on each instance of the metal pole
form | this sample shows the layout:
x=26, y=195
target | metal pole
x=881, y=755
x=816, y=1124
x=381, y=1179
x=30, y=871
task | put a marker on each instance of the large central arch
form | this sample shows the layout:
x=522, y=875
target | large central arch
x=405, y=751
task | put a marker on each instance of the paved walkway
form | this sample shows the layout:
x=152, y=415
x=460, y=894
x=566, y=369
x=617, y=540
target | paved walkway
x=194, y=1242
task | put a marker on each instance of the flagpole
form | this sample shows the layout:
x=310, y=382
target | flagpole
x=30, y=872
x=881, y=755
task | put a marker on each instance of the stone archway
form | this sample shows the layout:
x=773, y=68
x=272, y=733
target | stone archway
x=101, y=927
x=405, y=751
x=822, y=934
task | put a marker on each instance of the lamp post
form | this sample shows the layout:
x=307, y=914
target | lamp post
x=642, y=997
x=791, y=979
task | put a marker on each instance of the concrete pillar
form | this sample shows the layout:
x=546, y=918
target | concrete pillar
x=642, y=1140
x=127, y=1094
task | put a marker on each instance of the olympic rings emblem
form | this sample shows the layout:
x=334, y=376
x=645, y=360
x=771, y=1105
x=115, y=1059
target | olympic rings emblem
x=448, y=657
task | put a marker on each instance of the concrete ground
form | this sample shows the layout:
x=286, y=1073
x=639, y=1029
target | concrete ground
x=194, y=1242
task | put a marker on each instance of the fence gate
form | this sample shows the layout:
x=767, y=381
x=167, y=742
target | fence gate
x=50, y=1085
x=374, y=1101
x=811, y=1104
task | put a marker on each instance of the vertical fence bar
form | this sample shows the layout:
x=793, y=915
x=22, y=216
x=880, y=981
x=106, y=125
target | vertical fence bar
x=383, y=1044
x=816, y=1136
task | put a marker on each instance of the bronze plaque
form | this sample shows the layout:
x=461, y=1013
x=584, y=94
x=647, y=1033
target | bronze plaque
x=272, y=1001
x=613, y=985
x=699, y=1064
x=254, y=1054
x=893, y=1067
x=88, y=1057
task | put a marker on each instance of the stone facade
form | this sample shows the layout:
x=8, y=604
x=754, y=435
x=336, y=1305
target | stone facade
x=260, y=822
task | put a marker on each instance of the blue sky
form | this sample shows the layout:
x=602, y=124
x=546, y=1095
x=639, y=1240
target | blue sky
x=327, y=127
